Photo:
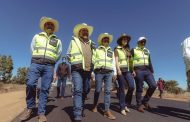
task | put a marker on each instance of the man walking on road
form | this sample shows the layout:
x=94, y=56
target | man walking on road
x=185, y=45
x=104, y=65
x=143, y=71
x=62, y=72
x=46, y=50
x=80, y=56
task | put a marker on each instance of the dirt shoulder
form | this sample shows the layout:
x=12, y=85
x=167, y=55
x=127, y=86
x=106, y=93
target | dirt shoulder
x=12, y=98
x=185, y=97
x=12, y=104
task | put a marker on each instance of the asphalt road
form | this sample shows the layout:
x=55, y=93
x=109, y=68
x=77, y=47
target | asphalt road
x=163, y=110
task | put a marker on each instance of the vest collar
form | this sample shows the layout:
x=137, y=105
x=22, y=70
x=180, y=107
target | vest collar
x=45, y=34
x=106, y=48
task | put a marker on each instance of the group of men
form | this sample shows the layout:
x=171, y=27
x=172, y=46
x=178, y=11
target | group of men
x=129, y=66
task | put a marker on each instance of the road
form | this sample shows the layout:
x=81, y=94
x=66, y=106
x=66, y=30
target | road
x=163, y=110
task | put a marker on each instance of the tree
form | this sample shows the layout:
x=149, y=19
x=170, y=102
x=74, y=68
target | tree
x=172, y=87
x=21, y=76
x=6, y=67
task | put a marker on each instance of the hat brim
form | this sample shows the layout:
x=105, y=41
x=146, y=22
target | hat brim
x=78, y=27
x=45, y=20
x=143, y=40
x=120, y=38
x=104, y=35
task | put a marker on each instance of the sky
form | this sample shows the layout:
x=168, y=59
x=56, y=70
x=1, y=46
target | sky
x=165, y=24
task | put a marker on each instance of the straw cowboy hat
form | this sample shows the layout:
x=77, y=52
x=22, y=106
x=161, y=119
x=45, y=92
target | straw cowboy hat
x=102, y=35
x=78, y=27
x=43, y=20
x=122, y=36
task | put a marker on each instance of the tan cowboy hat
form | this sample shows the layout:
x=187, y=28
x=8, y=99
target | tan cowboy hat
x=78, y=27
x=43, y=20
x=122, y=36
x=102, y=35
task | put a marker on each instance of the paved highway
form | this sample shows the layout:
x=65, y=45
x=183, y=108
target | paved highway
x=163, y=110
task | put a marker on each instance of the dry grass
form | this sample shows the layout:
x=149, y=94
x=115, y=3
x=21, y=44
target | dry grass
x=180, y=97
x=4, y=88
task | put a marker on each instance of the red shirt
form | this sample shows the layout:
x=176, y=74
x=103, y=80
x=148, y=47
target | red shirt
x=160, y=85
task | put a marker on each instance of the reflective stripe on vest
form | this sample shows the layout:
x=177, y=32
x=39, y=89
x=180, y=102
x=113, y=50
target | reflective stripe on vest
x=140, y=57
x=46, y=48
x=103, y=58
x=76, y=54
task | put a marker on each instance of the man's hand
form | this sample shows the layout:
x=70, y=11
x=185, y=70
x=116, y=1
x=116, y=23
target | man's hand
x=119, y=72
x=114, y=77
x=55, y=79
x=69, y=77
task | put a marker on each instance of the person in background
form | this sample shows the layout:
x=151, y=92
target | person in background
x=161, y=85
x=104, y=65
x=46, y=50
x=185, y=45
x=63, y=72
x=143, y=71
x=80, y=53
x=124, y=75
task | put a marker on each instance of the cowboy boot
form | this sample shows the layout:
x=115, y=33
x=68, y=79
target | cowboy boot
x=109, y=115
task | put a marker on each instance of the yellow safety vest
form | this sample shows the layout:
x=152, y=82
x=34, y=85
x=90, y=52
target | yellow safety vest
x=141, y=57
x=46, y=47
x=122, y=59
x=76, y=53
x=103, y=58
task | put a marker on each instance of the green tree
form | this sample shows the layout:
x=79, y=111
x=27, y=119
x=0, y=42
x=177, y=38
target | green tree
x=172, y=87
x=21, y=76
x=6, y=67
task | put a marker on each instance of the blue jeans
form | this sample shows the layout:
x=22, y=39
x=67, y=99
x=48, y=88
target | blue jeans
x=126, y=77
x=99, y=79
x=62, y=83
x=141, y=76
x=80, y=91
x=46, y=74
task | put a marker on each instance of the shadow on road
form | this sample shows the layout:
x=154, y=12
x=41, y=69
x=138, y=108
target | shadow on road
x=50, y=108
x=69, y=111
x=171, y=111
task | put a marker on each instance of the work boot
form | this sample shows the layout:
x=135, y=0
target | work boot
x=94, y=109
x=26, y=114
x=147, y=106
x=109, y=115
x=42, y=118
x=141, y=108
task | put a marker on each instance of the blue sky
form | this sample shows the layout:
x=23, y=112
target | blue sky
x=165, y=23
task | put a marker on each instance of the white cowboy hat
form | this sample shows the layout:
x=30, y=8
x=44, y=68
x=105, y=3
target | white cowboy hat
x=142, y=39
x=78, y=27
x=102, y=35
x=43, y=20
